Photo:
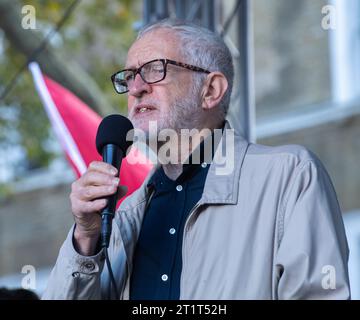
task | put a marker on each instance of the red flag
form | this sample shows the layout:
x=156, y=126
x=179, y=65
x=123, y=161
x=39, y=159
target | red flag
x=75, y=125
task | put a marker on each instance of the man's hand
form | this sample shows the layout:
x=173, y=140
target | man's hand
x=87, y=198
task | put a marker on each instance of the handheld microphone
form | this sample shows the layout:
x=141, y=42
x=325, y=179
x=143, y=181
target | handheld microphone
x=112, y=145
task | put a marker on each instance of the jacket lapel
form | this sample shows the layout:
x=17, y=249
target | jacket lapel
x=222, y=181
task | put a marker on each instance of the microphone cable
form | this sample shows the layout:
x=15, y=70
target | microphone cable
x=112, y=282
x=112, y=142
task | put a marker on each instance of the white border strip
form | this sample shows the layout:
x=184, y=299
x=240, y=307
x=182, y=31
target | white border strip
x=56, y=120
x=344, y=50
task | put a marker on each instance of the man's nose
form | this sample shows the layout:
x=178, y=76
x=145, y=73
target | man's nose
x=138, y=87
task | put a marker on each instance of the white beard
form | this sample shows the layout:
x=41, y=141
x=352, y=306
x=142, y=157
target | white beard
x=183, y=113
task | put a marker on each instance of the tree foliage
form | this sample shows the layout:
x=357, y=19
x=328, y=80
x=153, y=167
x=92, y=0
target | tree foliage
x=95, y=37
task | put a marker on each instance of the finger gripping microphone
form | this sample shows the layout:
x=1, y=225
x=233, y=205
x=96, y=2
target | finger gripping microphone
x=112, y=145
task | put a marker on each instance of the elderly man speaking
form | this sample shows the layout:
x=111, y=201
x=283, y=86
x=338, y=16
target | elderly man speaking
x=268, y=227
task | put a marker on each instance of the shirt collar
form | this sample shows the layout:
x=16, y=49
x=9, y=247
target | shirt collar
x=199, y=159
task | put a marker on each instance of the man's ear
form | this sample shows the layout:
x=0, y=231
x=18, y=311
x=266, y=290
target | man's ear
x=213, y=90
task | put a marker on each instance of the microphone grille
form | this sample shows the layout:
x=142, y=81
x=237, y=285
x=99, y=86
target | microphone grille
x=113, y=129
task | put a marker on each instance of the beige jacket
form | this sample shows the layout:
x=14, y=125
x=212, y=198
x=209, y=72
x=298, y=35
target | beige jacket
x=270, y=229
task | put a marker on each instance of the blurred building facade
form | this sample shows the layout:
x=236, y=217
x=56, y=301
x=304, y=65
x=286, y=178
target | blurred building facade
x=297, y=83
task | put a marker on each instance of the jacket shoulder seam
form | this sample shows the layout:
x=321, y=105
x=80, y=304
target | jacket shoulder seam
x=281, y=216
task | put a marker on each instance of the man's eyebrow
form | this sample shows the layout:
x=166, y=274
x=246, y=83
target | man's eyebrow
x=131, y=66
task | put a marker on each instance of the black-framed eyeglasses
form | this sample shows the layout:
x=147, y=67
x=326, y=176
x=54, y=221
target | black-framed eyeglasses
x=151, y=72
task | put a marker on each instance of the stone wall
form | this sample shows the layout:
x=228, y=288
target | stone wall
x=33, y=226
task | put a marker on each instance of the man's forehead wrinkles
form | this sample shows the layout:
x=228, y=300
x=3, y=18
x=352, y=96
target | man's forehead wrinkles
x=138, y=58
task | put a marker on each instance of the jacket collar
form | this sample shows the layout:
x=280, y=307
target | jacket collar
x=222, y=181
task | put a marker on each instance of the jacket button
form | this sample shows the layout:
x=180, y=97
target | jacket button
x=179, y=187
x=89, y=266
x=164, y=277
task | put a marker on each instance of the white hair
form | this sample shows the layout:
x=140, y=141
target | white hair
x=202, y=48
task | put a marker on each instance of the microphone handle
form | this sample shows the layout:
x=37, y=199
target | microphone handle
x=113, y=155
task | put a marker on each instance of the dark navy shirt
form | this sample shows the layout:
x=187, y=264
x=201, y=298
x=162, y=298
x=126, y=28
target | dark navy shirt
x=157, y=261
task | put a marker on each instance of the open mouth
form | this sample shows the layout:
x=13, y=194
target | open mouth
x=140, y=109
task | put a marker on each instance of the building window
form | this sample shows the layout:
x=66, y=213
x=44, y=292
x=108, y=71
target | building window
x=292, y=58
x=306, y=61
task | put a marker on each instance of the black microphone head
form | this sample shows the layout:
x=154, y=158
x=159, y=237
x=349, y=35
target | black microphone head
x=113, y=129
